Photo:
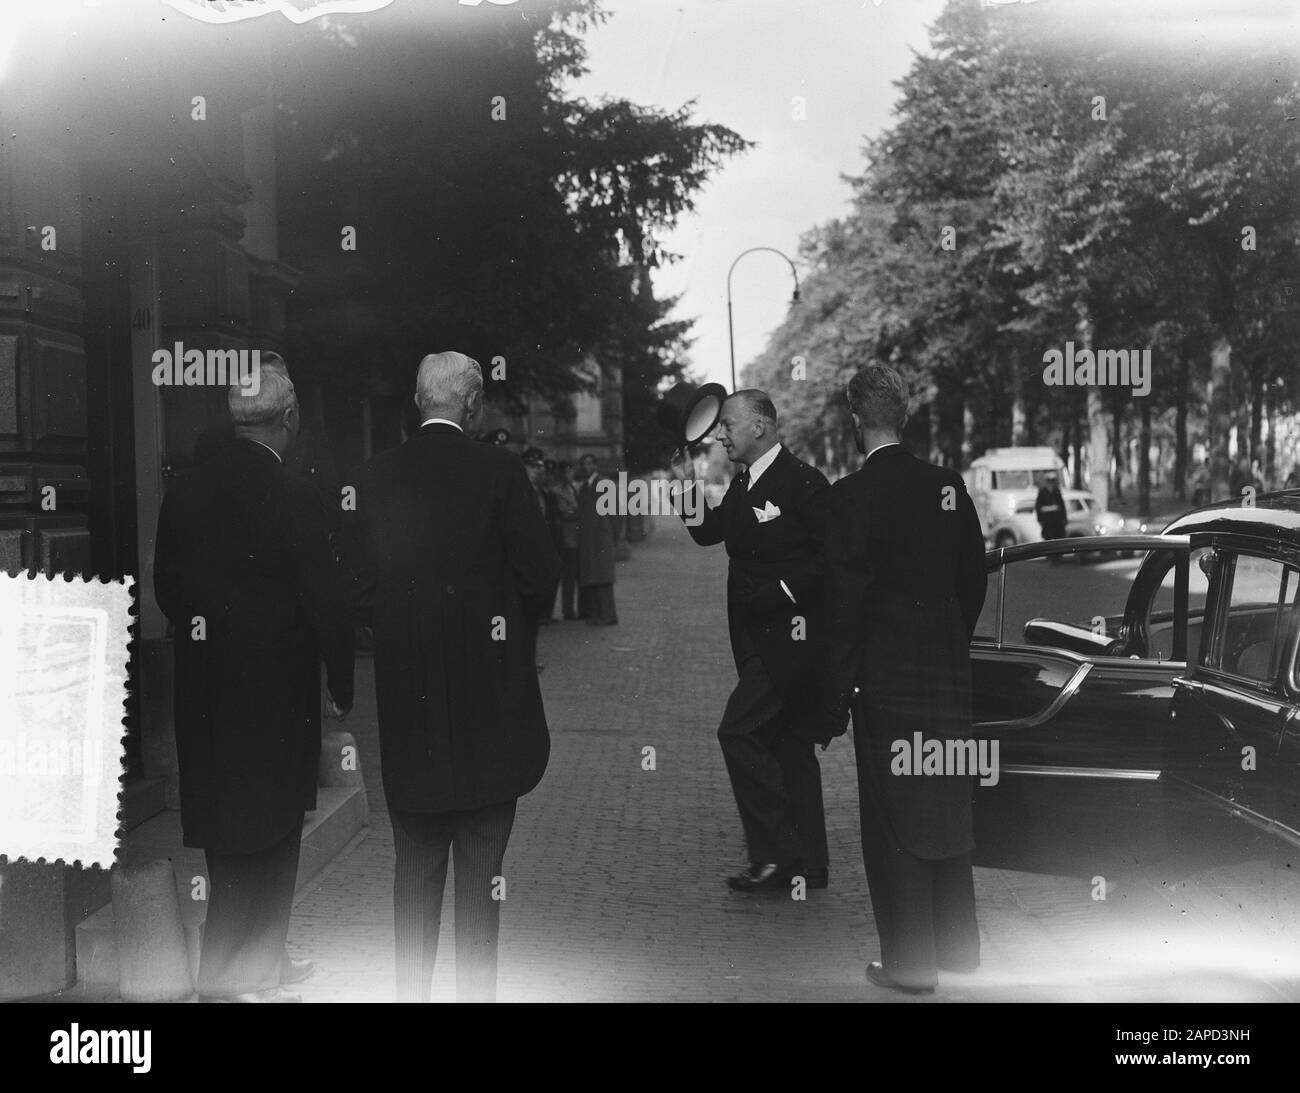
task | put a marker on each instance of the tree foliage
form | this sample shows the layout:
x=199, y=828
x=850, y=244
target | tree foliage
x=492, y=213
x=1039, y=186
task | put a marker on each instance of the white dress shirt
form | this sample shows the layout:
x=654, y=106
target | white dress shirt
x=890, y=444
x=761, y=464
x=756, y=470
x=269, y=449
x=439, y=421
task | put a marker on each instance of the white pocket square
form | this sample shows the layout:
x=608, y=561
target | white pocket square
x=766, y=513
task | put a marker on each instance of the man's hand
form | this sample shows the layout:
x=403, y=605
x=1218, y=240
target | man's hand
x=334, y=712
x=837, y=719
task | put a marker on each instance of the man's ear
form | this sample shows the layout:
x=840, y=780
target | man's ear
x=473, y=409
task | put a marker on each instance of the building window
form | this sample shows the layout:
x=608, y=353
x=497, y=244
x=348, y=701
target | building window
x=588, y=418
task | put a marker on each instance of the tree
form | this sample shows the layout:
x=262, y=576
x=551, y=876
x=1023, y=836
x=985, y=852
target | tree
x=491, y=213
x=1041, y=184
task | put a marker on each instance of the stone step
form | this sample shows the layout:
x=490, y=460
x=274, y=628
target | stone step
x=341, y=812
x=142, y=799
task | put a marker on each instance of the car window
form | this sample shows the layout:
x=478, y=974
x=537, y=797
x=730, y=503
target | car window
x=1253, y=630
x=1013, y=480
x=1075, y=604
x=1160, y=610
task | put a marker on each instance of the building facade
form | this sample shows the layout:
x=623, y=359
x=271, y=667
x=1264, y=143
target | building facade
x=589, y=423
x=137, y=211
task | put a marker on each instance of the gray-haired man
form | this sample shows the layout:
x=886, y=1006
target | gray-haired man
x=450, y=545
x=246, y=575
x=772, y=521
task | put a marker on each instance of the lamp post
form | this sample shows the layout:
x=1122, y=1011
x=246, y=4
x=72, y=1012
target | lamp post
x=731, y=334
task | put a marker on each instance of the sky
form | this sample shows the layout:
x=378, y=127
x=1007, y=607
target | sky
x=745, y=61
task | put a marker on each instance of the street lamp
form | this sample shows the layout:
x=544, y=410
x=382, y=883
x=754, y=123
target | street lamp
x=731, y=334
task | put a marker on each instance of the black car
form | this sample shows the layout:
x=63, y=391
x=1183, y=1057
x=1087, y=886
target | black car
x=1117, y=687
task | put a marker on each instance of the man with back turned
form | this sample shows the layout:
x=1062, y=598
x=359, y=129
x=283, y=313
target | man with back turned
x=245, y=572
x=454, y=555
x=905, y=583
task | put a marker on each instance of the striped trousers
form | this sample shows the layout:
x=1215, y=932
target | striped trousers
x=425, y=842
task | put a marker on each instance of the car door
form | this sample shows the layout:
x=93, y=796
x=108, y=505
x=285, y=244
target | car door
x=1072, y=662
x=1232, y=734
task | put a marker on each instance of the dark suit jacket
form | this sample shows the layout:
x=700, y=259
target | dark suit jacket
x=1049, y=508
x=761, y=618
x=243, y=545
x=905, y=584
x=447, y=541
x=597, y=535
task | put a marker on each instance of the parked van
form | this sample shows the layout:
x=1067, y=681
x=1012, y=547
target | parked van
x=1001, y=481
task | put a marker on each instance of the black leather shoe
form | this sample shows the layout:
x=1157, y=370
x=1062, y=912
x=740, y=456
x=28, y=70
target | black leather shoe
x=769, y=877
x=817, y=878
x=295, y=971
x=275, y=994
x=876, y=974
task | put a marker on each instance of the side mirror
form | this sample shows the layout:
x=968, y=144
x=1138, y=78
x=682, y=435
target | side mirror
x=1208, y=561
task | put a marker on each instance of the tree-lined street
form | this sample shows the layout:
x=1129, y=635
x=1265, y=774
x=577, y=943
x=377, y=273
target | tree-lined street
x=614, y=876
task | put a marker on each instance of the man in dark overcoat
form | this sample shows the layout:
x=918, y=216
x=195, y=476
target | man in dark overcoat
x=566, y=532
x=455, y=557
x=1049, y=508
x=772, y=520
x=535, y=465
x=905, y=584
x=597, y=534
x=245, y=572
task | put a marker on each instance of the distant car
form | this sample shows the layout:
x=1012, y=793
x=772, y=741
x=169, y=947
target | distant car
x=1020, y=525
x=1181, y=667
x=1082, y=517
x=1000, y=481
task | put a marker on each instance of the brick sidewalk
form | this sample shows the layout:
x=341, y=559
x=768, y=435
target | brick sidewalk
x=615, y=875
